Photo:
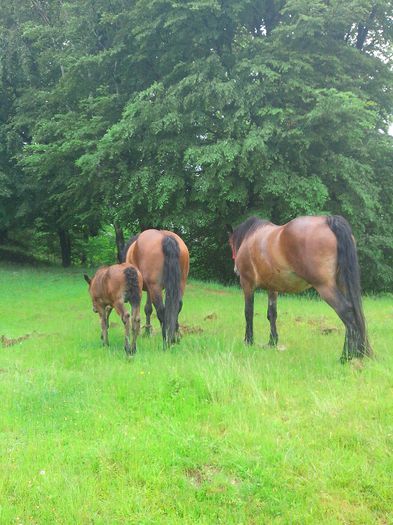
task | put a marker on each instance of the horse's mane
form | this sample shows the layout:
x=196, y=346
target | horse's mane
x=126, y=246
x=245, y=229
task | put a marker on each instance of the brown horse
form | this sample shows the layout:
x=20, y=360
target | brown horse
x=163, y=259
x=111, y=287
x=306, y=252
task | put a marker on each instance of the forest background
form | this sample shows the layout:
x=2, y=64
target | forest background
x=117, y=115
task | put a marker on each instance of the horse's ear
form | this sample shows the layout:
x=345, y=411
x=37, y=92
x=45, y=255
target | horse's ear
x=229, y=229
x=87, y=278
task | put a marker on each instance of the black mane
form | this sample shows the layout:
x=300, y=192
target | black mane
x=126, y=246
x=245, y=229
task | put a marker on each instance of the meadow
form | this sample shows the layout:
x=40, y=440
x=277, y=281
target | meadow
x=209, y=432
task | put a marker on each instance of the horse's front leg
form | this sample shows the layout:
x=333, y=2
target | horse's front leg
x=248, y=311
x=272, y=316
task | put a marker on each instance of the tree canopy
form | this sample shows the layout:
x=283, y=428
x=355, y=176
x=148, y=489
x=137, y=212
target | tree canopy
x=193, y=114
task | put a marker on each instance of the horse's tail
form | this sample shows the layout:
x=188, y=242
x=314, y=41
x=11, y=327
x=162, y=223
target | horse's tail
x=131, y=292
x=171, y=281
x=348, y=274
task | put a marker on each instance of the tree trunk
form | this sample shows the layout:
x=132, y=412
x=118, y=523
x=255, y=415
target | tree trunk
x=3, y=236
x=65, y=246
x=364, y=29
x=119, y=241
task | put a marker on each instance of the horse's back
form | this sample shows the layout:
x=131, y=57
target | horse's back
x=108, y=283
x=310, y=247
x=147, y=254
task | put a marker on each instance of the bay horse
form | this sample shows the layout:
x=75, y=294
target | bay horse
x=111, y=287
x=313, y=251
x=164, y=262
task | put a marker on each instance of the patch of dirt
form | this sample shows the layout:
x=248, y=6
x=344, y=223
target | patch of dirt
x=211, y=475
x=6, y=341
x=210, y=317
x=185, y=329
x=3, y=370
x=199, y=475
x=113, y=325
x=317, y=321
x=326, y=330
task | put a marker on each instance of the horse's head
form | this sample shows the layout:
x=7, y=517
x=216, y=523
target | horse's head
x=232, y=245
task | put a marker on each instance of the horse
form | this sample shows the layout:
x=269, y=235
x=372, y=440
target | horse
x=111, y=287
x=163, y=259
x=312, y=251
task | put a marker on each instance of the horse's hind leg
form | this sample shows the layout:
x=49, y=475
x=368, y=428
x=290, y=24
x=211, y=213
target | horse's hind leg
x=148, y=312
x=156, y=296
x=177, y=321
x=272, y=316
x=104, y=326
x=124, y=314
x=248, y=311
x=135, y=325
x=108, y=311
x=337, y=300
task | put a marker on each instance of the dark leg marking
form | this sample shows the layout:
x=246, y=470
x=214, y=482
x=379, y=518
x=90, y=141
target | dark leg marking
x=249, y=314
x=272, y=317
x=343, y=308
x=160, y=309
x=148, y=312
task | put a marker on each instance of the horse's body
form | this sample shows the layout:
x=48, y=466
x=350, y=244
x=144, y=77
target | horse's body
x=316, y=252
x=163, y=259
x=111, y=287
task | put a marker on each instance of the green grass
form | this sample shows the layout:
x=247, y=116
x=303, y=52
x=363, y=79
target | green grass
x=209, y=432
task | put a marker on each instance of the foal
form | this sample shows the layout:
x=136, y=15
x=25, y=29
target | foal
x=111, y=287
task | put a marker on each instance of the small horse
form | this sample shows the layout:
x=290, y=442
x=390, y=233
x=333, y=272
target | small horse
x=111, y=287
x=316, y=251
x=163, y=259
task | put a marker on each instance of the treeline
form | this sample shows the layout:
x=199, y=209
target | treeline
x=192, y=114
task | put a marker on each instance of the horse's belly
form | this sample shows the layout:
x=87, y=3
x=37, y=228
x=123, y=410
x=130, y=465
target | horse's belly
x=284, y=281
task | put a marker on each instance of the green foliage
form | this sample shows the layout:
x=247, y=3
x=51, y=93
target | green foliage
x=194, y=114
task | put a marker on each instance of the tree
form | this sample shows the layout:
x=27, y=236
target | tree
x=194, y=114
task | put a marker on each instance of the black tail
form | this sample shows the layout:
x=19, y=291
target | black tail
x=131, y=294
x=348, y=274
x=171, y=283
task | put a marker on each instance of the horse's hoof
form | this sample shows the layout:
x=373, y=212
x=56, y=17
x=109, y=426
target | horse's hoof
x=357, y=364
x=148, y=330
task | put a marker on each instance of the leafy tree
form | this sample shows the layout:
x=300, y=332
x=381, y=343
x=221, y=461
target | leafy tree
x=193, y=114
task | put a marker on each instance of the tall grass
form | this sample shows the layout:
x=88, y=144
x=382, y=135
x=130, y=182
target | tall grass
x=208, y=432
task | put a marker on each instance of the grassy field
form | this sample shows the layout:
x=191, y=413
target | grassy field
x=210, y=432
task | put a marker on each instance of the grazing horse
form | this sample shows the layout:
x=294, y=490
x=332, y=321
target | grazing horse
x=306, y=252
x=111, y=287
x=163, y=259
